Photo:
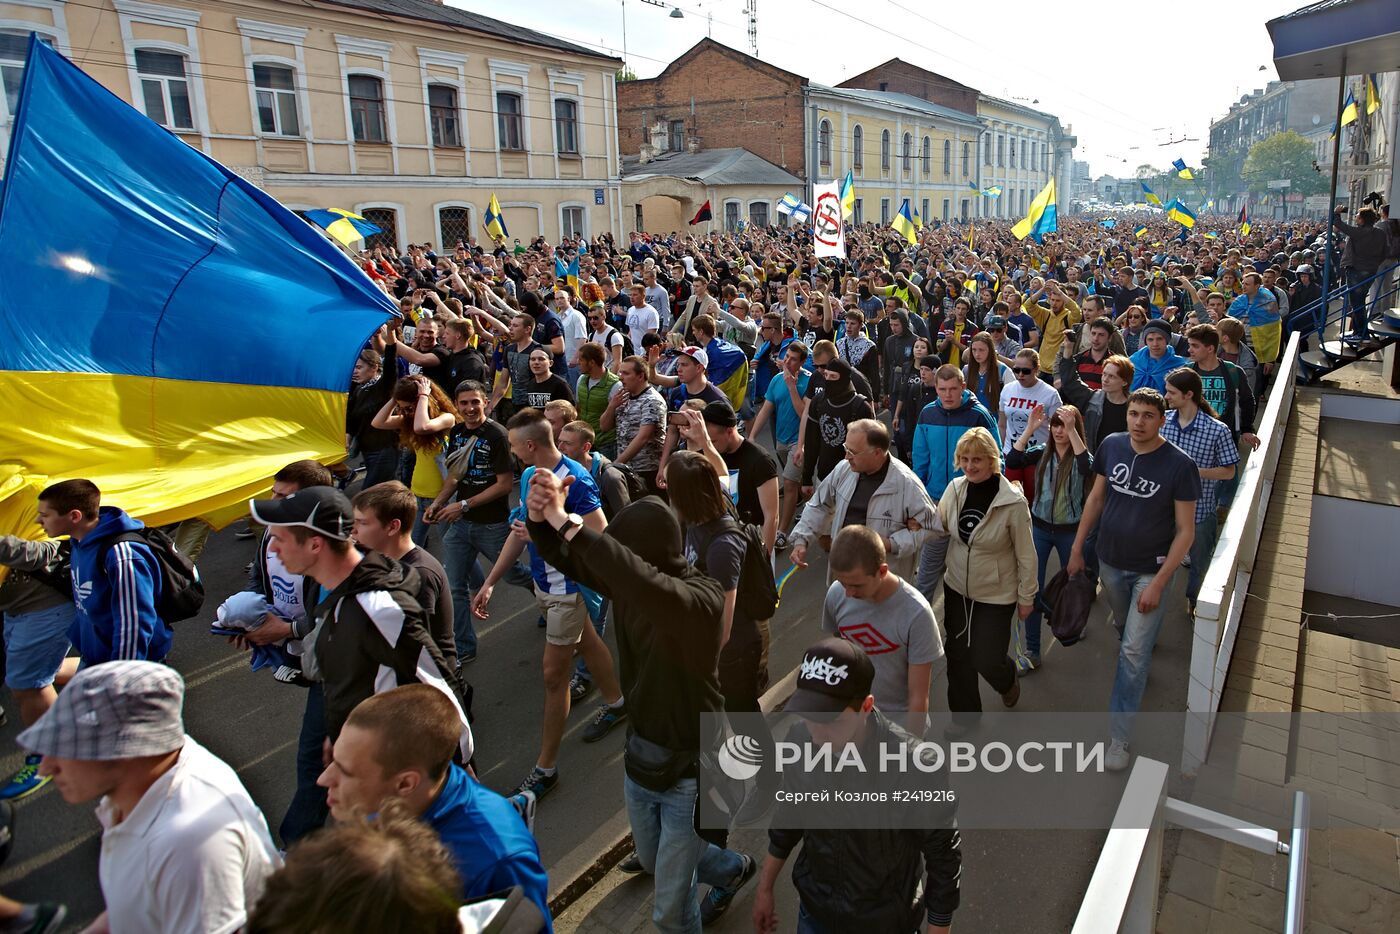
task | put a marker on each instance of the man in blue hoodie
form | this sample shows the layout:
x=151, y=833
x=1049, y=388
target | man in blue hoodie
x=116, y=585
x=1155, y=358
x=940, y=425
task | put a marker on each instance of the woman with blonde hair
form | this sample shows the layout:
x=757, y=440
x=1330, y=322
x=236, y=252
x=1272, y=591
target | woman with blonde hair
x=1062, y=482
x=989, y=574
x=423, y=416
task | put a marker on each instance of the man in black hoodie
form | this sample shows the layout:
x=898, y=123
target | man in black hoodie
x=834, y=406
x=365, y=631
x=669, y=624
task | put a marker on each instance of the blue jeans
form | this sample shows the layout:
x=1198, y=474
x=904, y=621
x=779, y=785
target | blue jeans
x=1139, y=636
x=380, y=466
x=1045, y=540
x=663, y=831
x=463, y=545
x=35, y=646
x=1201, y=549
x=308, y=810
x=407, y=460
x=421, y=529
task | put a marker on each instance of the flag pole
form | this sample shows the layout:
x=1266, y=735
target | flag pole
x=1332, y=195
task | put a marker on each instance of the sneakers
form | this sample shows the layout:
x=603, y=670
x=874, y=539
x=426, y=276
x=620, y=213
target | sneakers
x=244, y=533
x=1118, y=756
x=466, y=658
x=1013, y=695
x=24, y=782
x=287, y=675
x=537, y=783
x=780, y=543
x=716, y=902
x=632, y=865
x=579, y=688
x=524, y=804
x=1027, y=663
x=607, y=718
x=37, y=918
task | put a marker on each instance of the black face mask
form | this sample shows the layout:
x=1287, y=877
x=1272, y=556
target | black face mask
x=840, y=387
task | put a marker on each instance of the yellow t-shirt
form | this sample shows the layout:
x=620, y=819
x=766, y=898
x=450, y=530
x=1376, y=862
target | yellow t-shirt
x=427, y=475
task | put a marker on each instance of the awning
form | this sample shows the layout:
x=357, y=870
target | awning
x=1335, y=38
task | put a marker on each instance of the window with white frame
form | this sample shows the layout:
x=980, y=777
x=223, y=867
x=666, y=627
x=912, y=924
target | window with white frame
x=923, y=211
x=758, y=213
x=885, y=150
x=884, y=210
x=566, y=126
x=927, y=156
x=571, y=222
x=510, y=121
x=367, y=115
x=859, y=214
x=446, y=118
x=907, y=152
x=277, y=99
x=857, y=148
x=1032, y=162
x=966, y=158
x=947, y=206
x=165, y=88
x=947, y=157
x=1012, y=147
x=387, y=219
x=824, y=142
x=13, y=49
x=965, y=205
x=731, y=215
x=454, y=223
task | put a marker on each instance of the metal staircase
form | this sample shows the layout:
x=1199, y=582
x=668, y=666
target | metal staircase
x=1327, y=317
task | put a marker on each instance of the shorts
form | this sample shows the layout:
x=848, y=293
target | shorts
x=791, y=472
x=35, y=645
x=565, y=615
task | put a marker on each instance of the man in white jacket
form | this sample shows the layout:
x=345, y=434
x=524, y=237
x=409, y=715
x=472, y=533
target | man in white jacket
x=873, y=489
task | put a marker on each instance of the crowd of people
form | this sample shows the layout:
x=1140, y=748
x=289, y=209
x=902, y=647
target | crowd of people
x=637, y=433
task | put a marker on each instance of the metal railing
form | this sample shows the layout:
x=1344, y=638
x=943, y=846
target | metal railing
x=1122, y=894
x=1221, y=601
x=1316, y=316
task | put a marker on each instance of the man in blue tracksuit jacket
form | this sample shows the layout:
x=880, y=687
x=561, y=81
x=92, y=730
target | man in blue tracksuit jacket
x=116, y=587
x=940, y=425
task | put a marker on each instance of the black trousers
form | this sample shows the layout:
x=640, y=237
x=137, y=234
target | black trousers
x=978, y=638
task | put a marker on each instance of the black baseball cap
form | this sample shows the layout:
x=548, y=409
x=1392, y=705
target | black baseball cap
x=721, y=414
x=834, y=673
x=322, y=509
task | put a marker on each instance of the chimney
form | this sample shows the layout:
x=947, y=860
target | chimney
x=692, y=143
x=647, y=154
x=658, y=136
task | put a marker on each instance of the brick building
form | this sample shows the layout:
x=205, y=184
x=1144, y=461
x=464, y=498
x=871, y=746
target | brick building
x=903, y=78
x=717, y=97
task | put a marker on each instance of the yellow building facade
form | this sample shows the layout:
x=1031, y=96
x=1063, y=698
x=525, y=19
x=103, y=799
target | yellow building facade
x=411, y=118
x=897, y=147
x=1021, y=149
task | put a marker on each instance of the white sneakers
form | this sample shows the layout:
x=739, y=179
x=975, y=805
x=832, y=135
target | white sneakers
x=1118, y=756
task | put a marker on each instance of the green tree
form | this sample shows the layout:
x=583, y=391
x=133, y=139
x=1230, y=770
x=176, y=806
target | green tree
x=1146, y=171
x=1283, y=155
x=626, y=74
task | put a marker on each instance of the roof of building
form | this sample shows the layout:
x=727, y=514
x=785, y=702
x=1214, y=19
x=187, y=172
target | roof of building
x=710, y=166
x=918, y=73
x=1016, y=105
x=895, y=99
x=1310, y=9
x=434, y=12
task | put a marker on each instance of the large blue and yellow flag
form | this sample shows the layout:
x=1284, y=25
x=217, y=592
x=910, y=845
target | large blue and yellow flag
x=728, y=368
x=1180, y=213
x=1181, y=170
x=1042, y=218
x=903, y=224
x=1151, y=198
x=207, y=332
x=492, y=220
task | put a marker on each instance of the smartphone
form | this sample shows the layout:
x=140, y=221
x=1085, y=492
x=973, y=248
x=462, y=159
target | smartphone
x=674, y=418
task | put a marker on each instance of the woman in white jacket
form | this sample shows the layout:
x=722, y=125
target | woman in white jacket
x=990, y=573
x=873, y=489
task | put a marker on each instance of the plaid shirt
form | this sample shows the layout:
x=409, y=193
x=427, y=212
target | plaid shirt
x=1208, y=442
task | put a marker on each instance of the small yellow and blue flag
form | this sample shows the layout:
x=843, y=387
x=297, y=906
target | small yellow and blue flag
x=345, y=226
x=992, y=191
x=903, y=224
x=1181, y=170
x=1180, y=213
x=1212, y=235
x=567, y=272
x=1140, y=232
x=1151, y=198
x=1373, y=97
x=786, y=576
x=848, y=194
x=1350, y=112
x=494, y=223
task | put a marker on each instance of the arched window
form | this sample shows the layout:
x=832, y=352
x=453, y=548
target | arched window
x=906, y=152
x=966, y=157
x=454, y=223
x=857, y=148
x=367, y=109
x=885, y=150
x=387, y=219
x=824, y=142
x=927, y=156
x=947, y=157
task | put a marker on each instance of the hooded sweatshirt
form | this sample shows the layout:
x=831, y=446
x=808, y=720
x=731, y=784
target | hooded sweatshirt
x=936, y=438
x=116, y=588
x=1151, y=372
x=834, y=406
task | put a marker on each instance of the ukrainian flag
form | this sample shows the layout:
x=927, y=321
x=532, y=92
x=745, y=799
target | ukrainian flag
x=1151, y=198
x=1140, y=232
x=494, y=223
x=1042, y=218
x=1350, y=113
x=568, y=273
x=207, y=332
x=728, y=369
x=1180, y=213
x=1181, y=170
x=992, y=191
x=903, y=224
x=1373, y=97
x=848, y=194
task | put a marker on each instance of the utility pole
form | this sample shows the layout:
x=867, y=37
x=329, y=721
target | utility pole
x=751, y=11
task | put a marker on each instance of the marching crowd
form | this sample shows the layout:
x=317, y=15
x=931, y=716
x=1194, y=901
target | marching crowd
x=637, y=433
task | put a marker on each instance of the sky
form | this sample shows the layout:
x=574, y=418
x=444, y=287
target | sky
x=1126, y=77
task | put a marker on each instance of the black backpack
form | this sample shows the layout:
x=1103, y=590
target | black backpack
x=181, y=590
x=756, y=597
x=631, y=480
x=627, y=349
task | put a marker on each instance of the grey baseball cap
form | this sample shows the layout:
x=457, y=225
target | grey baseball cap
x=116, y=710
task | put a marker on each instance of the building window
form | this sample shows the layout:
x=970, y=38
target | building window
x=566, y=126
x=1001, y=149
x=857, y=148
x=824, y=142
x=1045, y=159
x=277, y=99
x=947, y=205
x=884, y=150
x=964, y=208
x=637, y=220
x=442, y=106
x=164, y=88
x=885, y=211
x=571, y=222
x=387, y=220
x=510, y=122
x=907, y=152
x=1012, y=147
x=966, y=158
x=947, y=157
x=731, y=216
x=987, y=149
x=367, y=109
x=859, y=213
x=454, y=224
x=676, y=135
x=1031, y=163
x=923, y=211
x=758, y=213
x=928, y=156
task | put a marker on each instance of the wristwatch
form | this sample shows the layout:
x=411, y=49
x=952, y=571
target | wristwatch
x=572, y=523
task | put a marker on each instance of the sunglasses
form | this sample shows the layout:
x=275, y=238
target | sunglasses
x=1022, y=370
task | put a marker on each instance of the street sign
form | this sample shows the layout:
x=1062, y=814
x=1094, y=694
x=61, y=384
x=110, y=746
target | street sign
x=1280, y=183
x=597, y=196
x=1293, y=198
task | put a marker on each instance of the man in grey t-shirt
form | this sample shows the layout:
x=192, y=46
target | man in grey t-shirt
x=889, y=619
